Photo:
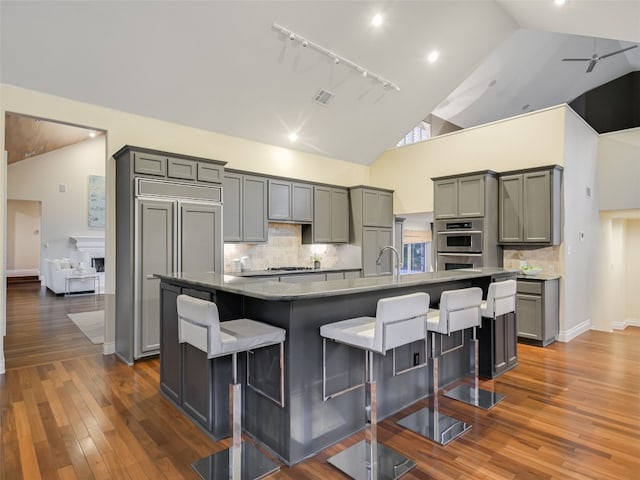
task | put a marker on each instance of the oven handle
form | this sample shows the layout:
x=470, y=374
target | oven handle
x=462, y=254
x=449, y=232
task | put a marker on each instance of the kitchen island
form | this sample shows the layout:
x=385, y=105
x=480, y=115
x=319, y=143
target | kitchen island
x=308, y=423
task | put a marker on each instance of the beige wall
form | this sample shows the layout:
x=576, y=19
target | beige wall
x=23, y=237
x=529, y=140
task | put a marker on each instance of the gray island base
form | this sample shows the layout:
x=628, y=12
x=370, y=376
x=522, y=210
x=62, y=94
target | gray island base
x=307, y=424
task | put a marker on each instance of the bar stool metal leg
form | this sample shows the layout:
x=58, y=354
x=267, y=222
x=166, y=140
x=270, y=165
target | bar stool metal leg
x=473, y=394
x=429, y=422
x=368, y=459
x=241, y=461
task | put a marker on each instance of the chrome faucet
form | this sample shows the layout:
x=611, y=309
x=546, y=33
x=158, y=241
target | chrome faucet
x=389, y=247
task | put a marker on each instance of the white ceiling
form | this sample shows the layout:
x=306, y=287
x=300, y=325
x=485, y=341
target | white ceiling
x=220, y=65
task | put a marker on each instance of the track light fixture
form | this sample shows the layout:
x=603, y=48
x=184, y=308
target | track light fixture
x=337, y=59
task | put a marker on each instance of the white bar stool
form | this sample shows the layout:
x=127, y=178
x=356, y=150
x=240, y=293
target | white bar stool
x=501, y=299
x=459, y=310
x=199, y=325
x=399, y=321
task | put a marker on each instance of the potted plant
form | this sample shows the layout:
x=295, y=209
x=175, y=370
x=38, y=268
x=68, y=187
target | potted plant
x=315, y=258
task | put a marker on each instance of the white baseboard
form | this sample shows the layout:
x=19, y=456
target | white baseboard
x=573, y=332
x=629, y=322
x=1, y=363
x=108, y=348
x=23, y=272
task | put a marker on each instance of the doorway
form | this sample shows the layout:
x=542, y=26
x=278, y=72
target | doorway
x=24, y=222
x=49, y=168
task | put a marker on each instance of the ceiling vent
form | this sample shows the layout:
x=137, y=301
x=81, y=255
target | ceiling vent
x=323, y=97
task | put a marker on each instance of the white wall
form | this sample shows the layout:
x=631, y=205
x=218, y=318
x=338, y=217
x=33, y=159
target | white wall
x=619, y=170
x=23, y=236
x=581, y=232
x=529, y=140
x=63, y=213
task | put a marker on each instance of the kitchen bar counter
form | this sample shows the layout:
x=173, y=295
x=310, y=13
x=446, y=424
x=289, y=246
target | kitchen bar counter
x=307, y=424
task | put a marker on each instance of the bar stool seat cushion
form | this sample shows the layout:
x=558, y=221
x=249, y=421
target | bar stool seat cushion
x=200, y=326
x=399, y=320
x=459, y=310
x=501, y=299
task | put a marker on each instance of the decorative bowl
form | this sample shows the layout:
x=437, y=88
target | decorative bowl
x=531, y=271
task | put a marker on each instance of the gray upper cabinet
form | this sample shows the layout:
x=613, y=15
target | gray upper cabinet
x=330, y=216
x=529, y=203
x=245, y=208
x=460, y=196
x=377, y=208
x=159, y=164
x=290, y=201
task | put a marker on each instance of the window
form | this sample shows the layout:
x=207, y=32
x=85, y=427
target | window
x=413, y=257
x=420, y=132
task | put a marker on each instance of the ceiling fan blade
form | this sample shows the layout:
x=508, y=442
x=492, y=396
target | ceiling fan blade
x=576, y=59
x=618, y=51
x=591, y=66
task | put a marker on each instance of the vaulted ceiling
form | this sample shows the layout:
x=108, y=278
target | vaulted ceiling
x=222, y=66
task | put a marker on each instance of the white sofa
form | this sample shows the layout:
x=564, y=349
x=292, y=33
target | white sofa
x=59, y=269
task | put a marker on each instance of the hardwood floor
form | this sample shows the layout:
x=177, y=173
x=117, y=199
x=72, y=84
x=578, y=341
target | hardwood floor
x=571, y=411
x=38, y=329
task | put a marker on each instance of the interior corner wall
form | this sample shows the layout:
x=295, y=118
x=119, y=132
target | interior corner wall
x=581, y=227
x=530, y=140
x=618, y=172
x=63, y=213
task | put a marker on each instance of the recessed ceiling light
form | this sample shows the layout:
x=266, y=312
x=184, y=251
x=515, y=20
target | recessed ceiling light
x=559, y=2
x=92, y=134
x=293, y=136
x=377, y=19
x=433, y=56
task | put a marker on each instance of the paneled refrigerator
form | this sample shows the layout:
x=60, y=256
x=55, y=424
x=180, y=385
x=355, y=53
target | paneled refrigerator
x=177, y=227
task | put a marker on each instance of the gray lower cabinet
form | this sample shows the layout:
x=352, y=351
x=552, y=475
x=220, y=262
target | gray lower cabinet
x=290, y=201
x=162, y=226
x=245, y=208
x=330, y=216
x=529, y=206
x=373, y=239
x=538, y=310
x=498, y=348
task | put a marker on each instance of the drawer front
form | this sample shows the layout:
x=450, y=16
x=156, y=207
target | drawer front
x=150, y=164
x=209, y=173
x=534, y=288
x=184, y=169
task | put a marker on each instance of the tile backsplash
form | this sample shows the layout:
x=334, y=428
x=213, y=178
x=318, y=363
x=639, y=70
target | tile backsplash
x=547, y=258
x=285, y=249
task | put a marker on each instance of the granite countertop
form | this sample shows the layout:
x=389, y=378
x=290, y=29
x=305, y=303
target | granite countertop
x=269, y=273
x=271, y=290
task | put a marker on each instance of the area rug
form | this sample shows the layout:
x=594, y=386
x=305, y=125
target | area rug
x=91, y=324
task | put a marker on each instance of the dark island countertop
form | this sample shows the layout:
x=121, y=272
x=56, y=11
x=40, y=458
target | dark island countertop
x=278, y=291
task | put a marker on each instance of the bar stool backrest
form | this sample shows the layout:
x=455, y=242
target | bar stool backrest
x=400, y=320
x=460, y=309
x=501, y=298
x=199, y=324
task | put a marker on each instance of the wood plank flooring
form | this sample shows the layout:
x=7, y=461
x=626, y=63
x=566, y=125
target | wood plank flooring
x=572, y=411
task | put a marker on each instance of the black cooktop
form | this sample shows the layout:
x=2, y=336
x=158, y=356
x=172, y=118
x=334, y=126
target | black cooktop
x=288, y=269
